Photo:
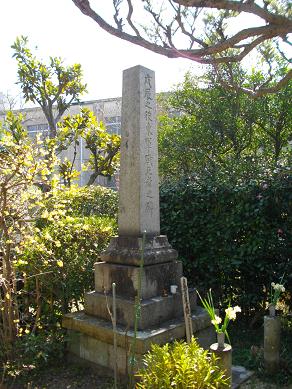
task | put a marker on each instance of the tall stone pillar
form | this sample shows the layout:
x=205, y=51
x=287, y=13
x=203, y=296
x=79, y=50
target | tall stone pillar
x=161, y=313
x=138, y=212
x=139, y=195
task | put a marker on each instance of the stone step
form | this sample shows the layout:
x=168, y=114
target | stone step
x=153, y=312
x=155, y=279
x=100, y=329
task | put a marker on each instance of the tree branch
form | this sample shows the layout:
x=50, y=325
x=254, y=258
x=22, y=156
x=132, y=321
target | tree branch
x=225, y=49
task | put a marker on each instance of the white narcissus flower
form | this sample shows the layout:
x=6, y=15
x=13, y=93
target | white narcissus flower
x=278, y=287
x=217, y=320
x=231, y=312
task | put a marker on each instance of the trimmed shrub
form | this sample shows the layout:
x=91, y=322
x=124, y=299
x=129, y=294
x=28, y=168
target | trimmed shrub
x=236, y=240
x=86, y=201
x=180, y=365
x=58, y=261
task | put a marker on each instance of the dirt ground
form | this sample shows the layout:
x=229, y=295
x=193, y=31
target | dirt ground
x=255, y=383
x=73, y=377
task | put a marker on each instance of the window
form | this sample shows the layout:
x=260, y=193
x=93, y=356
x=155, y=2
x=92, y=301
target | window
x=113, y=124
x=38, y=128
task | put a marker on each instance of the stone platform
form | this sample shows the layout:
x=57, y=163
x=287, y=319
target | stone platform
x=91, y=338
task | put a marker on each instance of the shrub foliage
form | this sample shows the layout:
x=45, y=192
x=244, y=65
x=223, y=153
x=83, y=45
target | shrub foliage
x=86, y=201
x=235, y=240
x=180, y=365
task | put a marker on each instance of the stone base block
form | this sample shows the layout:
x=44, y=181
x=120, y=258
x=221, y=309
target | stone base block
x=128, y=250
x=153, y=311
x=156, y=279
x=91, y=339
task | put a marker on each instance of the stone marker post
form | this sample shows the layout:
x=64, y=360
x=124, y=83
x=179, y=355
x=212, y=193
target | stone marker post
x=139, y=195
x=161, y=313
x=272, y=331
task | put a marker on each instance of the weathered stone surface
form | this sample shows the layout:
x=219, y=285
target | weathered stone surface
x=98, y=353
x=139, y=195
x=272, y=333
x=155, y=279
x=153, y=312
x=128, y=251
x=174, y=329
x=224, y=356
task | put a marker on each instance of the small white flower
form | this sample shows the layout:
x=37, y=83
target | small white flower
x=217, y=320
x=230, y=313
x=278, y=287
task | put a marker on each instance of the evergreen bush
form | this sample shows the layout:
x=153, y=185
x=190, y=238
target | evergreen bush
x=235, y=240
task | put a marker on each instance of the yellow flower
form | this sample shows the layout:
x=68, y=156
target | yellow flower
x=60, y=263
x=45, y=214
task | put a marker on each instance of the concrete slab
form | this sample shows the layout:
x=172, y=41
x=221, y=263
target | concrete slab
x=239, y=375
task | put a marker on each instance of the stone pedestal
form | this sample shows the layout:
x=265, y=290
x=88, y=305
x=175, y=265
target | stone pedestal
x=161, y=312
x=91, y=339
x=272, y=329
x=224, y=355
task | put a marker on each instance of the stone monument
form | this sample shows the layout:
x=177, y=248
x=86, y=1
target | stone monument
x=161, y=312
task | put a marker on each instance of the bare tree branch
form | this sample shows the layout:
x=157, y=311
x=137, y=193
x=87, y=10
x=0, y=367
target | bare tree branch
x=262, y=91
x=214, y=46
x=129, y=18
x=239, y=6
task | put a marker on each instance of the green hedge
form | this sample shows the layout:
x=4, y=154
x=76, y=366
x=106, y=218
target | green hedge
x=234, y=240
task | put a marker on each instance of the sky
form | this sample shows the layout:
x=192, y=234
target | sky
x=58, y=28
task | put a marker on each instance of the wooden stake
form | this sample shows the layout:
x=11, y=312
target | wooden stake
x=115, y=333
x=187, y=309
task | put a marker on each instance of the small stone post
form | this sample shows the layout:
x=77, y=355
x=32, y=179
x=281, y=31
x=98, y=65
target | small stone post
x=224, y=355
x=272, y=329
